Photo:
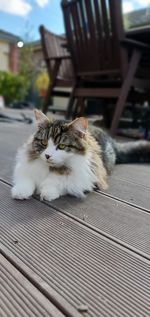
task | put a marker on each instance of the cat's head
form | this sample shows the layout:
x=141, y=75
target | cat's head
x=57, y=142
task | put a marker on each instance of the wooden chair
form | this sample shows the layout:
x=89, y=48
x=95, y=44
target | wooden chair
x=105, y=62
x=59, y=65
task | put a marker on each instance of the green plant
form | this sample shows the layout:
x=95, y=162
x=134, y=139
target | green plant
x=13, y=87
x=26, y=61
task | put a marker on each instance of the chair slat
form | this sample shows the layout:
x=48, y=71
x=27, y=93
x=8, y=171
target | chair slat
x=84, y=32
x=100, y=38
x=92, y=34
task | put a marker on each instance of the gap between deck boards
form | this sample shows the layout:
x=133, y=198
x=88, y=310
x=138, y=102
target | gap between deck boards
x=122, y=201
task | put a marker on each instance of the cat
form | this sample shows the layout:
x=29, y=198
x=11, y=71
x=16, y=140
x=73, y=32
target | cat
x=69, y=158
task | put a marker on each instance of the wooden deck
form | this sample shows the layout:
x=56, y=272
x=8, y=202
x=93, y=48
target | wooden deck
x=73, y=258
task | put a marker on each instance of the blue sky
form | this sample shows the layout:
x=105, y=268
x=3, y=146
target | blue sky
x=24, y=16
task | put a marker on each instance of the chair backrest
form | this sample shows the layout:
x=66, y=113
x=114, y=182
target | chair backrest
x=52, y=48
x=93, y=30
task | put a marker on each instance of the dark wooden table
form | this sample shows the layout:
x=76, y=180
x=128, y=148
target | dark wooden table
x=140, y=34
x=62, y=258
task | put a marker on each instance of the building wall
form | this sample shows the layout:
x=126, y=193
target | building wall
x=13, y=58
x=4, y=56
x=8, y=57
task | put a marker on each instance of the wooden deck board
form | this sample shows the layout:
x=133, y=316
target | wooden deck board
x=19, y=298
x=12, y=136
x=94, y=252
x=128, y=225
x=79, y=264
x=134, y=173
x=129, y=191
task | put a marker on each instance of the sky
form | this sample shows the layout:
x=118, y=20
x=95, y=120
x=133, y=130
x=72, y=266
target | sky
x=23, y=17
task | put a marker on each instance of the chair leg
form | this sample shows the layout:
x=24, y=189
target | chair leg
x=53, y=79
x=79, y=108
x=70, y=104
x=47, y=99
x=125, y=90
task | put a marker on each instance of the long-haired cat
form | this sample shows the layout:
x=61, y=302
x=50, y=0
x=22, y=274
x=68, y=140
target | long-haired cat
x=68, y=158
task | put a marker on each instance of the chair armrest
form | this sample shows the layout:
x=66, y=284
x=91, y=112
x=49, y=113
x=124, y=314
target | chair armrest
x=132, y=44
x=57, y=58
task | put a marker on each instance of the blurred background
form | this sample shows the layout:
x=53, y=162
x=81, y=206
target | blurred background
x=23, y=73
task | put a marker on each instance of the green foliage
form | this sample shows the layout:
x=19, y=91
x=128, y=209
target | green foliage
x=13, y=87
x=26, y=61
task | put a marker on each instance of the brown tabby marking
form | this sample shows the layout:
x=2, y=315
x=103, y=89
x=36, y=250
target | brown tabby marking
x=97, y=163
x=62, y=170
x=60, y=133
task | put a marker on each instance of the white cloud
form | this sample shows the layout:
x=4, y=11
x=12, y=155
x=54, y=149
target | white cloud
x=16, y=7
x=143, y=2
x=128, y=6
x=42, y=3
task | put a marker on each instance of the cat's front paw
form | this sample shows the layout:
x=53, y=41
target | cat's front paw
x=22, y=192
x=49, y=195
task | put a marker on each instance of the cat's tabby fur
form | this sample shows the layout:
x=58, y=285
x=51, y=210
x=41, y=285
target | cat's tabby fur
x=68, y=158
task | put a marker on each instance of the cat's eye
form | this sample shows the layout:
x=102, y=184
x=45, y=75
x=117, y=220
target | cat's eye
x=61, y=146
x=44, y=142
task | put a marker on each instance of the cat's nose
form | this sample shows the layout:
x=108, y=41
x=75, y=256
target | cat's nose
x=47, y=156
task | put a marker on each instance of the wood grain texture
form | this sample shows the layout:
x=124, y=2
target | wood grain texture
x=72, y=263
x=113, y=218
x=19, y=297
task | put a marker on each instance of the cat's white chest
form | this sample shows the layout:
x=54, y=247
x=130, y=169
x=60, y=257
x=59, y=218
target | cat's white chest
x=54, y=185
x=75, y=184
x=80, y=179
x=31, y=176
x=39, y=171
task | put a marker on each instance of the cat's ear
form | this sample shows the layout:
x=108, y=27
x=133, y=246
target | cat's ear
x=79, y=126
x=41, y=118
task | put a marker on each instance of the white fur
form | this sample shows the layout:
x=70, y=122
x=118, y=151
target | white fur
x=31, y=176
